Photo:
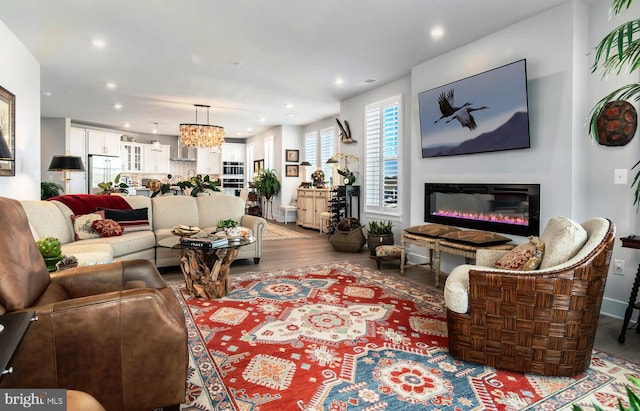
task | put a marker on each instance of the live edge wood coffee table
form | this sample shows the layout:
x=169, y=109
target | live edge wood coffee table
x=206, y=270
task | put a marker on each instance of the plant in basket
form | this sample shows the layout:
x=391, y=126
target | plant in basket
x=348, y=236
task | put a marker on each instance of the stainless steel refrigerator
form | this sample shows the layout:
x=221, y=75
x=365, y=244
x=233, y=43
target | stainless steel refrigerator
x=102, y=169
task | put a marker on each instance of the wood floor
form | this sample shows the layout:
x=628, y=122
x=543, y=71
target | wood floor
x=316, y=249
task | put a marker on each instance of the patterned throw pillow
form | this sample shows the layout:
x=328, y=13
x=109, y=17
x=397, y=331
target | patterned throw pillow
x=83, y=225
x=107, y=228
x=475, y=237
x=431, y=230
x=136, y=219
x=525, y=257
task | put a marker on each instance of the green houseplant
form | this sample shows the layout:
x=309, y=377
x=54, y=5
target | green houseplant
x=379, y=233
x=49, y=248
x=267, y=184
x=199, y=185
x=617, y=50
x=115, y=186
x=49, y=189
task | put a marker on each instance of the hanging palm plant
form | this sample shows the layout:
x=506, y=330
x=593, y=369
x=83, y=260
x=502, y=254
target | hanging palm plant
x=619, y=49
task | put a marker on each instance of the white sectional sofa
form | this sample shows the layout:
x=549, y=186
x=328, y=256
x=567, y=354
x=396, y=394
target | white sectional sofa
x=53, y=219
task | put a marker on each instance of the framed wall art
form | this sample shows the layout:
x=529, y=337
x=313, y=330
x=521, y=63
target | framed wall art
x=7, y=133
x=292, y=156
x=258, y=166
x=292, y=171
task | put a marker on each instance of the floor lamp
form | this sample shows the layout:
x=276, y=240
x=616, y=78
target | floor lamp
x=66, y=164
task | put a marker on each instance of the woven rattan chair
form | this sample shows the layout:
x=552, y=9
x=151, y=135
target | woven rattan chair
x=541, y=322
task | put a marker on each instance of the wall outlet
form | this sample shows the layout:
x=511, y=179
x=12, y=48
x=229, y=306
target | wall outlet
x=620, y=176
x=618, y=267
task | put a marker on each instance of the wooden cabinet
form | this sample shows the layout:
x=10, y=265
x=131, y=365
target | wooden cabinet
x=131, y=155
x=103, y=143
x=208, y=162
x=156, y=160
x=311, y=202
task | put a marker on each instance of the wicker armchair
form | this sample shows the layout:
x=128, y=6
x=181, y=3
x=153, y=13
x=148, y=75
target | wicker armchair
x=541, y=322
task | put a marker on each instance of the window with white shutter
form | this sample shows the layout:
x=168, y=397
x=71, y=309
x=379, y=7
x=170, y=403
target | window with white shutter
x=310, y=153
x=382, y=148
x=327, y=150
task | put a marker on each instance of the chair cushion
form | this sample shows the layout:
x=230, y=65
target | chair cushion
x=431, y=230
x=476, y=237
x=524, y=257
x=563, y=238
x=23, y=274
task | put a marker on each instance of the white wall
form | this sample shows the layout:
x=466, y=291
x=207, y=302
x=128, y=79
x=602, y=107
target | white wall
x=603, y=198
x=20, y=74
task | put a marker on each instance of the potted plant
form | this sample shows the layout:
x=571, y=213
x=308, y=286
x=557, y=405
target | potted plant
x=379, y=233
x=67, y=261
x=49, y=189
x=267, y=184
x=49, y=248
x=115, y=186
x=199, y=185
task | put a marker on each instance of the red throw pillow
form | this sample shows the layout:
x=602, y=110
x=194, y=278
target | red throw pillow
x=107, y=228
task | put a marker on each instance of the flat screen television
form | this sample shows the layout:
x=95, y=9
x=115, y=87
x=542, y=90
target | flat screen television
x=482, y=113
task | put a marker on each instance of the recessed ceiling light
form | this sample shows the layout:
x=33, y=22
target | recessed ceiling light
x=288, y=105
x=239, y=133
x=117, y=106
x=262, y=119
x=155, y=128
x=127, y=125
x=437, y=32
x=249, y=129
x=98, y=43
x=291, y=114
x=111, y=85
x=47, y=93
x=339, y=82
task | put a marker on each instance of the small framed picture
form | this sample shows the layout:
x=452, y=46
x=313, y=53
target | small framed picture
x=7, y=132
x=292, y=171
x=292, y=156
x=258, y=166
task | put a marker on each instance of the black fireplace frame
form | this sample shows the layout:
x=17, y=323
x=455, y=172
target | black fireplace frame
x=531, y=190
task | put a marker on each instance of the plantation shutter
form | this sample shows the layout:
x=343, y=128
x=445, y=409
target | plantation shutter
x=382, y=134
x=311, y=152
x=327, y=149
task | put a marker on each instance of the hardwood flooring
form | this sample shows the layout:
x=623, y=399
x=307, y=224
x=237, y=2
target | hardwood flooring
x=316, y=249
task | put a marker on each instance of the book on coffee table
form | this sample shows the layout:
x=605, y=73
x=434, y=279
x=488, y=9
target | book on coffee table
x=203, y=243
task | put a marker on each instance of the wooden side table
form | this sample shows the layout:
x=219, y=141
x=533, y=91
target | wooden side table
x=15, y=326
x=631, y=242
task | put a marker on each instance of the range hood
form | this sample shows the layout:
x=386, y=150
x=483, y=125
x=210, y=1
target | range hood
x=183, y=154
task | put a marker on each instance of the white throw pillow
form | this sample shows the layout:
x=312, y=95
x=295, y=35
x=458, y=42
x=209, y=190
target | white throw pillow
x=563, y=238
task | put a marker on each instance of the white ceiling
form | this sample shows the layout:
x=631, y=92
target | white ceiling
x=247, y=59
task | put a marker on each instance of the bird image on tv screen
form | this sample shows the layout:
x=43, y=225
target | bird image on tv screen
x=482, y=113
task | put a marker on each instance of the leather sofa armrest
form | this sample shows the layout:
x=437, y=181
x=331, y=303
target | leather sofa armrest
x=104, y=278
x=133, y=337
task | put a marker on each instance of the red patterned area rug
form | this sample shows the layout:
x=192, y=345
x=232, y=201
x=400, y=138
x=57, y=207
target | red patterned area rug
x=342, y=337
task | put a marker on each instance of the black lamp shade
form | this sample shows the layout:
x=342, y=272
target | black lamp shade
x=305, y=163
x=64, y=163
x=332, y=161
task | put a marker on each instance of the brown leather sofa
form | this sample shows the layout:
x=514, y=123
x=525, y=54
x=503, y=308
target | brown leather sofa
x=114, y=331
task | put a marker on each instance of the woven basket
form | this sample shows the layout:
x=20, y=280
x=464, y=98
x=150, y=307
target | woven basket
x=348, y=241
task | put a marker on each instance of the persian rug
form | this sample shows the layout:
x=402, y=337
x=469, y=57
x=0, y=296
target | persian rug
x=276, y=232
x=342, y=337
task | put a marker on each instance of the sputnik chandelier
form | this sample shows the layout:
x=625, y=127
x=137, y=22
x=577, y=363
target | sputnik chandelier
x=201, y=135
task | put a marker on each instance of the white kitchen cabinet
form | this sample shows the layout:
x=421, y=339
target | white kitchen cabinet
x=233, y=152
x=103, y=143
x=156, y=160
x=132, y=157
x=208, y=162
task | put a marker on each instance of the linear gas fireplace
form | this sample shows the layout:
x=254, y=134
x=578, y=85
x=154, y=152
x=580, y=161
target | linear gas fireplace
x=503, y=208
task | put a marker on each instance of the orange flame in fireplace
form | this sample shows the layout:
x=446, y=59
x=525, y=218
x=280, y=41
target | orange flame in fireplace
x=493, y=218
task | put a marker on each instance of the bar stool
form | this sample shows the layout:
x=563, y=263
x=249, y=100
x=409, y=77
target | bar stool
x=325, y=220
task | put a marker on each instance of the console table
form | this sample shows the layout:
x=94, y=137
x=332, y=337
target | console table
x=437, y=246
x=15, y=326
